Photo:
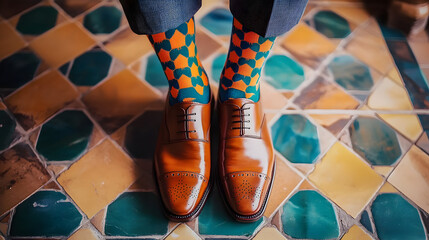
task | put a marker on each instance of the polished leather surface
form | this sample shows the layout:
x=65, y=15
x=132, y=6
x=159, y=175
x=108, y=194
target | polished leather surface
x=182, y=157
x=245, y=156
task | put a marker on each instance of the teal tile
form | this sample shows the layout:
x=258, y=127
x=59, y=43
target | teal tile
x=7, y=130
x=218, y=21
x=374, y=141
x=65, y=137
x=309, y=215
x=141, y=132
x=103, y=20
x=365, y=221
x=37, y=20
x=283, y=72
x=395, y=218
x=90, y=68
x=65, y=68
x=217, y=66
x=45, y=213
x=215, y=219
x=295, y=137
x=136, y=214
x=155, y=75
x=350, y=73
x=18, y=69
x=331, y=24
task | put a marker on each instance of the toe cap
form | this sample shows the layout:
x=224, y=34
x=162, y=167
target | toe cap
x=182, y=191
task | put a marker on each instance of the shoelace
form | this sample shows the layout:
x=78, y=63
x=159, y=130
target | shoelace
x=186, y=119
x=242, y=120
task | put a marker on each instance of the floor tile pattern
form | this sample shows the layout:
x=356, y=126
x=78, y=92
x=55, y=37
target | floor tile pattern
x=81, y=101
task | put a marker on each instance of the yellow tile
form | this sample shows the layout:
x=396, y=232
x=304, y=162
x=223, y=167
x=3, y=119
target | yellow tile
x=10, y=41
x=394, y=75
x=183, y=232
x=372, y=50
x=62, y=44
x=128, y=46
x=83, y=233
x=388, y=188
x=407, y=124
x=118, y=99
x=99, y=177
x=269, y=233
x=355, y=233
x=41, y=98
x=346, y=179
x=333, y=122
x=307, y=45
x=285, y=181
x=355, y=14
x=389, y=96
x=383, y=170
x=411, y=177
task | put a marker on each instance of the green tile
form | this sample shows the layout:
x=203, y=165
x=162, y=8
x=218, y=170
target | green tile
x=18, y=69
x=37, y=20
x=283, y=72
x=65, y=137
x=395, y=218
x=331, y=24
x=215, y=220
x=154, y=73
x=217, y=66
x=136, y=214
x=218, y=21
x=309, y=215
x=7, y=130
x=375, y=141
x=350, y=73
x=90, y=68
x=365, y=220
x=295, y=137
x=45, y=213
x=103, y=20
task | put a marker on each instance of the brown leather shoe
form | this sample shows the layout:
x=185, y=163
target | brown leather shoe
x=182, y=159
x=246, y=162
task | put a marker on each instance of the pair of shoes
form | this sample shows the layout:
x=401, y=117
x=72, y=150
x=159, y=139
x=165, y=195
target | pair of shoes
x=183, y=164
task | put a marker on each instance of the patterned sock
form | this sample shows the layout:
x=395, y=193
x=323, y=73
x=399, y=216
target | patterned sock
x=177, y=52
x=246, y=56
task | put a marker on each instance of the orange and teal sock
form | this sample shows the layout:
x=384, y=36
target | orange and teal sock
x=246, y=57
x=177, y=52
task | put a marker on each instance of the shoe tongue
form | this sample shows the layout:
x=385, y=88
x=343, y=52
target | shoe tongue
x=239, y=101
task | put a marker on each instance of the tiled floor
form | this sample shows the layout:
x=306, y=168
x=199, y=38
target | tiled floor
x=81, y=102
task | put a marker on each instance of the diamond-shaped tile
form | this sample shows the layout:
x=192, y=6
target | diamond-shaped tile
x=389, y=96
x=22, y=174
x=183, y=232
x=306, y=210
x=283, y=72
x=346, y=179
x=374, y=141
x=9, y=40
x=45, y=213
x=269, y=233
x=64, y=137
x=218, y=21
x=135, y=214
x=295, y=137
x=103, y=20
x=356, y=232
x=38, y=20
x=99, y=177
x=7, y=130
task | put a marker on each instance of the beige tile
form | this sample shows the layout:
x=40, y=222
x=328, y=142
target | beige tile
x=389, y=96
x=355, y=233
x=355, y=14
x=99, y=177
x=371, y=49
x=271, y=98
x=21, y=174
x=411, y=177
x=183, y=232
x=388, y=188
x=128, y=46
x=285, y=181
x=62, y=44
x=394, y=75
x=346, y=179
x=83, y=233
x=333, y=122
x=383, y=170
x=269, y=233
x=407, y=124
x=99, y=220
x=40, y=98
x=118, y=99
x=307, y=45
x=206, y=45
x=10, y=41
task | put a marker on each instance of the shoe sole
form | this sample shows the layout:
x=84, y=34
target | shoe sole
x=256, y=216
